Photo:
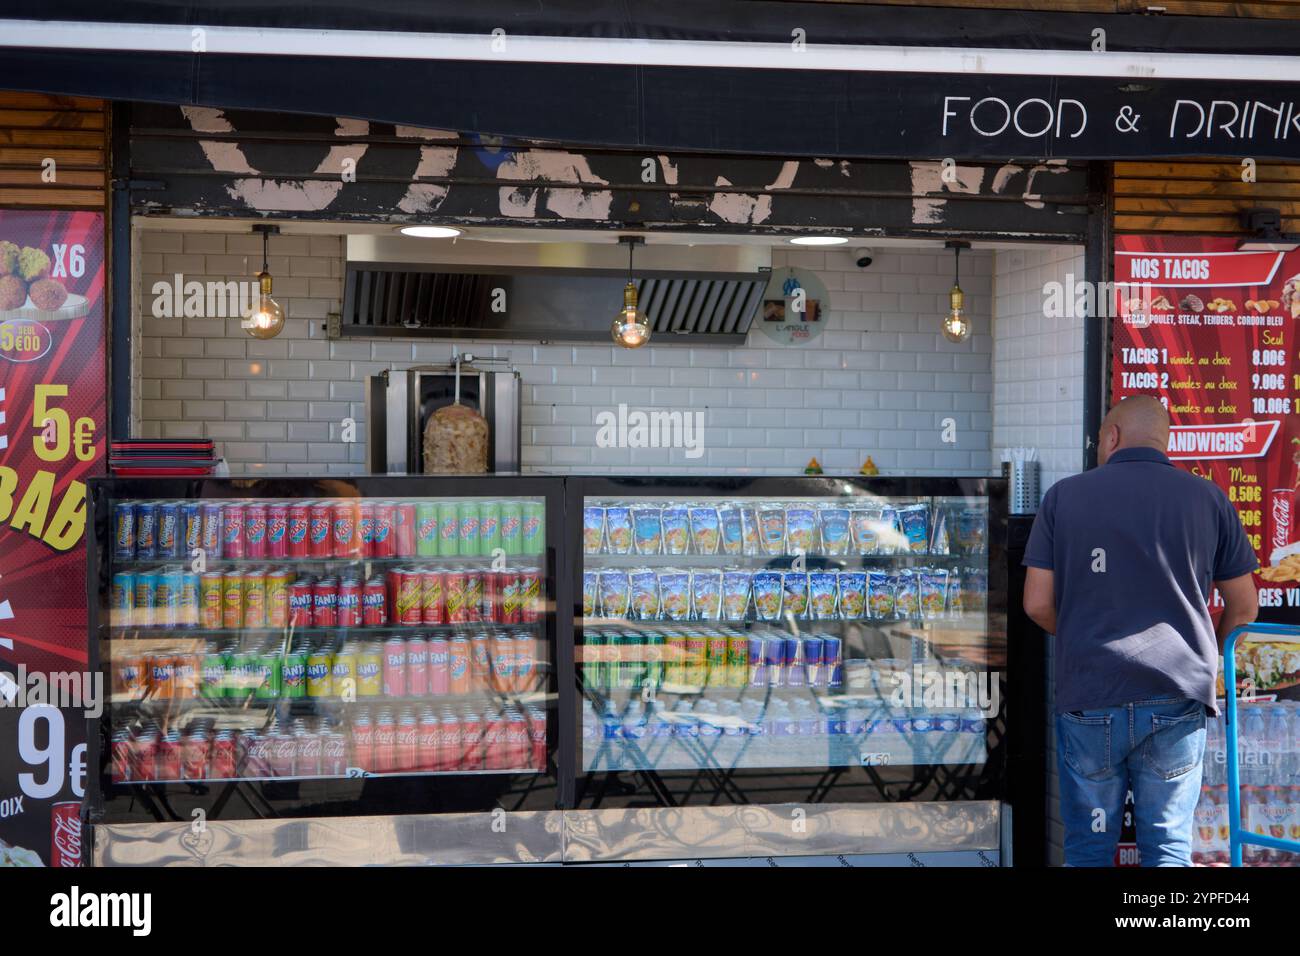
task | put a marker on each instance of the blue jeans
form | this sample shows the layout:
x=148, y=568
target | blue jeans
x=1156, y=747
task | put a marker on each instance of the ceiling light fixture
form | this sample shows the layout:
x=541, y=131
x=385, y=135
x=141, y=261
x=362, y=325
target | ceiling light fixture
x=265, y=320
x=819, y=240
x=956, y=327
x=430, y=232
x=630, y=329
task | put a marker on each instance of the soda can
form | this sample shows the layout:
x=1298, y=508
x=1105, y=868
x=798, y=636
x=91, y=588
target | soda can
x=185, y=676
x=131, y=676
x=121, y=608
x=715, y=650
x=343, y=672
x=533, y=529
x=593, y=660
x=232, y=599
x=537, y=734
x=211, y=600
x=223, y=760
x=530, y=595
x=814, y=672
x=394, y=667
x=169, y=532
x=794, y=663
x=439, y=666
x=370, y=669
x=210, y=537
x=167, y=599
x=467, y=527
x=254, y=598
x=277, y=529
x=455, y=585
x=233, y=543
x=365, y=533
x=325, y=603
x=307, y=760
x=162, y=676
x=757, y=676
x=433, y=606
x=493, y=738
x=417, y=666
x=385, y=533
x=474, y=595
x=363, y=741
x=146, y=531
x=426, y=529
x=490, y=603
x=525, y=664
x=144, y=757
x=187, y=614
x=320, y=530
x=301, y=603
x=406, y=588
x=267, y=678
x=459, y=677
x=320, y=677
x=169, y=756
x=506, y=599
x=284, y=755
x=501, y=677
x=472, y=734
x=512, y=517
x=145, y=589
x=737, y=659
x=349, y=603
x=695, y=670
x=404, y=530
x=192, y=528
x=489, y=527
x=383, y=760
x=278, y=584
x=480, y=663
x=518, y=747
x=374, y=603
x=406, y=743
x=293, y=675
x=297, y=532
x=123, y=530
x=774, y=661
x=451, y=742
x=255, y=533
x=448, y=529
x=238, y=667
x=675, y=658
x=334, y=755
x=427, y=743
x=832, y=661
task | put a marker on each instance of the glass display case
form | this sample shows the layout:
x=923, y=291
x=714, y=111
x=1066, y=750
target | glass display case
x=301, y=647
x=768, y=639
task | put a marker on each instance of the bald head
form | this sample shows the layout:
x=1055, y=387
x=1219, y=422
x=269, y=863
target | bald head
x=1139, y=421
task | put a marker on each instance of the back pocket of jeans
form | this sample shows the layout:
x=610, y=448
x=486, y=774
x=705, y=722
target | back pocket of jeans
x=1177, y=743
x=1085, y=742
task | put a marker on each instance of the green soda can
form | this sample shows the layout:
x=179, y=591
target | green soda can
x=534, y=527
x=293, y=675
x=489, y=527
x=267, y=676
x=593, y=660
x=512, y=520
x=212, y=675
x=426, y=529
x=467, y=526
x=716, y=658
x=448, y=529
x=737, y=659
x=654, y=658
x=239, y=683
x=614, y=650
x=631, y=660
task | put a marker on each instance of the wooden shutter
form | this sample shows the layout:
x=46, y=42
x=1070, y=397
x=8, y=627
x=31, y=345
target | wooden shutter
x=72, y=132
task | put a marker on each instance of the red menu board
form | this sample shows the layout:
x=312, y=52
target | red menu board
x=52, y=434
x=1212, y=332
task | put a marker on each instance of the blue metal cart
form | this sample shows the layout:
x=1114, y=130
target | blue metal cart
x=1238, y=835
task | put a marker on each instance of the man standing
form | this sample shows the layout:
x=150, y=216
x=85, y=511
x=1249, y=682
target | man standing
x=1120, y=562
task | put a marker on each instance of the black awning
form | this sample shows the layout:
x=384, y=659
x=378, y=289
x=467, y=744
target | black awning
x=851, y=112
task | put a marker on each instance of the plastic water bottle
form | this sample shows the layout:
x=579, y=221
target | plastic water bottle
x=590, y=735
x=1277, y=739
x=1250, y=747
x=1215, y=752
x=612, y=734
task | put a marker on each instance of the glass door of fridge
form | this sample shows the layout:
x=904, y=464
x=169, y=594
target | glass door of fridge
x=333, y=647
x=791, y=640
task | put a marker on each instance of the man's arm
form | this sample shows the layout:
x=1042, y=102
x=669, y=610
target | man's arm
x=1040, y=598
x=1240, y=604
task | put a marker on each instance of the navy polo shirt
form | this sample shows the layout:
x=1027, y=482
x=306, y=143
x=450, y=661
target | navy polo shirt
x=1140, y=629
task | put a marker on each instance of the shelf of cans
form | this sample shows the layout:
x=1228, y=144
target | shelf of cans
x=367, y=741
x=1268, y=754
x=333, y=528
x=273, y=598
x=782, y=528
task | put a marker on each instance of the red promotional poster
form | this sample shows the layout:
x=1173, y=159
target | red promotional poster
x=1212, y=332
x=52, y=438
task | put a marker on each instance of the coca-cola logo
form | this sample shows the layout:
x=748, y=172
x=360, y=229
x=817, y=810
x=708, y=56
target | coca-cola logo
x=1281, y=520
x=66, y=840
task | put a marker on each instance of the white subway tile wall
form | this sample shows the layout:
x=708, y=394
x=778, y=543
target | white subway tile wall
x=1038, y=361
x=880, y=380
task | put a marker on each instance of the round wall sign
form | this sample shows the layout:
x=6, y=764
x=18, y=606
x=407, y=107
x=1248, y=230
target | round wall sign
x=795, y=307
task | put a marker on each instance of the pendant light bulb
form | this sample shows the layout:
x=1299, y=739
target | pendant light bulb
x=265, y=320
x=631, y=329
x=955, y=326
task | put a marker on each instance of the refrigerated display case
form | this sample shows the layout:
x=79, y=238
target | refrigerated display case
x=804, y=640
x=289, y=648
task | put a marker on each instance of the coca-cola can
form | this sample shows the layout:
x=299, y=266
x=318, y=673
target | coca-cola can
x=366, y=528
x=284, y=755
x=320, y=530
x=451, y=742
x=404, y=530
x=121, y=757
x=405, y=742
x=65, y=834
x=277, y=529
x=194, y=757
x=518, y=741
x=169, y=756
x=144, y=757
x=334, y=755
x=310, y=751
x=385, y=743
x=363, y=741
x=471, y=741
x=298, y=530
x=1279, y=528
x=374, y=603
x=224, y=759
x=232, y=531
x=385, y=535
x=427, y=742
x=537, y=734
x=349, y=603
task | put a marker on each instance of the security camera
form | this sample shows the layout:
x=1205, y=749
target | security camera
x=862, y=257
